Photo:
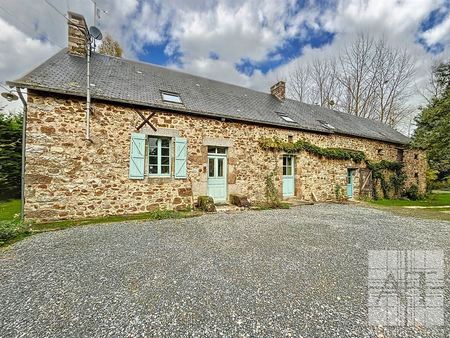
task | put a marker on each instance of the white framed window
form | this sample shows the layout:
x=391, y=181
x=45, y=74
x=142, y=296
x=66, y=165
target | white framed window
x=159, y=156
x=171, y=97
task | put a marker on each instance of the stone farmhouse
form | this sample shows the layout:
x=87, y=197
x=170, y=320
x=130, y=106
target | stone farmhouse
x=158, y=138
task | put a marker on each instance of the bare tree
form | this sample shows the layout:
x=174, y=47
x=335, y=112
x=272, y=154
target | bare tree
x=368, y=78
x=315, y=83
x=323, y=76
x=394, y=72
x=357, y=75
x=298, y=83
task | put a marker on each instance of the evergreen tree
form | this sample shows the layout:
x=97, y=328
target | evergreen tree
x=10, y=155
x=433, y=125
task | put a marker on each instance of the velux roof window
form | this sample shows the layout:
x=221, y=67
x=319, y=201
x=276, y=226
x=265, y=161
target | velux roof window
x=285, y=117
x=171, y=97
x=326, y=124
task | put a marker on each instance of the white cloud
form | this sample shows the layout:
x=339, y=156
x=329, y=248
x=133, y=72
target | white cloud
x=19, y=54
x=439, y=33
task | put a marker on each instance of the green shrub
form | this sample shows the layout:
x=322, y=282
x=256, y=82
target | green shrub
x=412, y=193
x=397, y=181
x=271, y=191
x=12, y=229
x=10, y=155
x=337, y=191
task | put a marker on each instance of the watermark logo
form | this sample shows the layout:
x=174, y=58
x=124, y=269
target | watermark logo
x=406, y=288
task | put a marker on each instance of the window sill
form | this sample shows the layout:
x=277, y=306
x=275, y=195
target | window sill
x=159, y=176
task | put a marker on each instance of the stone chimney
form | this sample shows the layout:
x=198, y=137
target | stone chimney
x=278, y=90
x=78, y=31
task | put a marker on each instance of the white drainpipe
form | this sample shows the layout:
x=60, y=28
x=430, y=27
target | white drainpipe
x=24, y=141
x=88, y=92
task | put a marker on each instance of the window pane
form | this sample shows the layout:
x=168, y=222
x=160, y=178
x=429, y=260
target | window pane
x=220, y=167
x=165, y=142
x=171, y=97
x=165, y=160
x=221, y=150
x=153, y=151
x=212, y=150
x=153, y=169
x=165, y=151
x=164, y=169
x=152, y=141
x=211, y=167
x=284, y=171
x=153, y=160
x=284, y=160
x=288, y=171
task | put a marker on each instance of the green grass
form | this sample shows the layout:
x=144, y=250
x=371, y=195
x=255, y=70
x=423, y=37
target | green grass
x=8, y=209
x=12, y=230
x=436, y=199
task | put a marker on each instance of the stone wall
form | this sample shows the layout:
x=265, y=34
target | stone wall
x=69, y=177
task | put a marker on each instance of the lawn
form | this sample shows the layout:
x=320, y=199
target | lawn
x=435, y=206
x=8, y=209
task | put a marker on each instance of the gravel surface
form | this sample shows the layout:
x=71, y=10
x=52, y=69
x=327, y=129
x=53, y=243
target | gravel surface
x=300, y=272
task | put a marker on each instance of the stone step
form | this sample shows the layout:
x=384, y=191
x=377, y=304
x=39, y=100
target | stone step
x=294, y=201
x=228, y=208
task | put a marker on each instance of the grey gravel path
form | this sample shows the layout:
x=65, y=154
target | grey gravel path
x=300, y=272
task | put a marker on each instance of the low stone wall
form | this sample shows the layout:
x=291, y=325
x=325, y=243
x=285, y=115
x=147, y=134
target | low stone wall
x=69, y=177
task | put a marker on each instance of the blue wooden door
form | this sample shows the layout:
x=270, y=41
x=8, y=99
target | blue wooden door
x=288, y=176
x=217, y=177
x=350, y=179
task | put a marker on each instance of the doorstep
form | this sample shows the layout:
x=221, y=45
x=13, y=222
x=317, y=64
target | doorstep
x=228, y=208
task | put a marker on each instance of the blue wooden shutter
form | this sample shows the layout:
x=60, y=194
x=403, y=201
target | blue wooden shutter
x=137, y=156
x=180, y=157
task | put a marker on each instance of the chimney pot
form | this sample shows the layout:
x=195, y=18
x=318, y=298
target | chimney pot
x=279, y=90
x=77, y=35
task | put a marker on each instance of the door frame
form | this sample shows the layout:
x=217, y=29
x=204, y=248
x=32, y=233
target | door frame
x=351, y=173
x=291, y=177
x=225, y=173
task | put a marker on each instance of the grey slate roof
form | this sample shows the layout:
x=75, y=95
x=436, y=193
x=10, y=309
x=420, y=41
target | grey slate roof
x=127, y=81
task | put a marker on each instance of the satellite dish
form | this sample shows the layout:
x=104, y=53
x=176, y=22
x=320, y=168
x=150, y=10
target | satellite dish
x=95, y=33
x=10, y=96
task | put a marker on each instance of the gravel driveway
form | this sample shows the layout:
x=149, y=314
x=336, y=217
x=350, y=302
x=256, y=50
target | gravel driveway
x=300, y=272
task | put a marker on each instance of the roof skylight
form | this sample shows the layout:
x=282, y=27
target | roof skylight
x=171, y=97
x=285, y=117
x=326, y=124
